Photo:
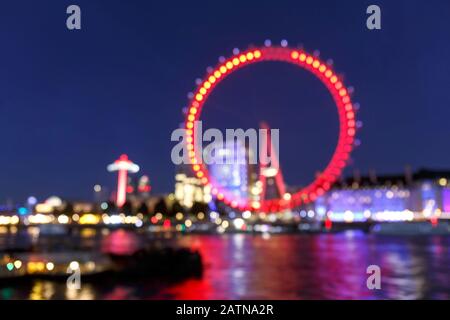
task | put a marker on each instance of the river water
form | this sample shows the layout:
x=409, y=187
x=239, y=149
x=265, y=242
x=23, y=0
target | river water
x=320, y=266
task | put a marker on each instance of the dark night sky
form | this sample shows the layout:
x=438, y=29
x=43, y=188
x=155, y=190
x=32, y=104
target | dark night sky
x=73, y=101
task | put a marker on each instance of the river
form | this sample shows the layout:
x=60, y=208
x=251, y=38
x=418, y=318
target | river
x=285, y=266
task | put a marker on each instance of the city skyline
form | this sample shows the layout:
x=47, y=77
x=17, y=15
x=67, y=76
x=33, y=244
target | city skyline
x=218, y=152
x=116, y=88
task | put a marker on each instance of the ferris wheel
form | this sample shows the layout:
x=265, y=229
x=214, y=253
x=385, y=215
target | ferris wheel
x=332, y=82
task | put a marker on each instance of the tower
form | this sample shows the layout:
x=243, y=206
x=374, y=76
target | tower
x=122, y=165
x=270, y=175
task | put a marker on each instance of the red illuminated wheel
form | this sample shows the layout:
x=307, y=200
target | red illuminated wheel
x=327, y=76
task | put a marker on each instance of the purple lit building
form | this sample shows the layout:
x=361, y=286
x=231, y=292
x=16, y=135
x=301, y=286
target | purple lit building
x=230, y=170
x=408, y=197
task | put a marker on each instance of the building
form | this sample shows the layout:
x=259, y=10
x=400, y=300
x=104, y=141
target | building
x=230, y=170
x=189, y=189
x=422, y=195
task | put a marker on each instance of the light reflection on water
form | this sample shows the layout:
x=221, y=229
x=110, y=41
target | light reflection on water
x=326, y=266
x=323, y=266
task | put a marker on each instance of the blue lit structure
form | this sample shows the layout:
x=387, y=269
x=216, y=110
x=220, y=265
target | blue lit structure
x=230, y=170
x=446, y=199
x=389, y=198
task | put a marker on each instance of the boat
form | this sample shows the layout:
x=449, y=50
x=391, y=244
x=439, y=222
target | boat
x=57, y=264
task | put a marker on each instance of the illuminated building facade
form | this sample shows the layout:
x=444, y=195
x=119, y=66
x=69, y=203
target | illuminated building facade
x=230, y=170
x=234, y=175
x=419, y=196
x=446, y=199
x=189, y=189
